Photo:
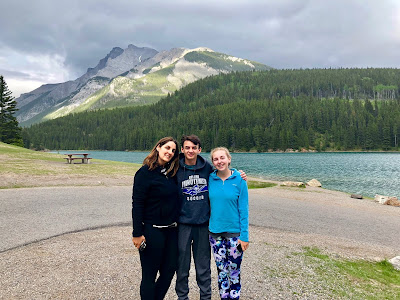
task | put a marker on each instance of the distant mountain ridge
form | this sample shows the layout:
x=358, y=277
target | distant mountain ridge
x=127, y=77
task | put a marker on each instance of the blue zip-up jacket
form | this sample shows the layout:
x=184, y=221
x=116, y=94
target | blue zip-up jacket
x=229, y=201
x=193, y=196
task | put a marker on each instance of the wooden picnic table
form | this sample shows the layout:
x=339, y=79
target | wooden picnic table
x=79, y=156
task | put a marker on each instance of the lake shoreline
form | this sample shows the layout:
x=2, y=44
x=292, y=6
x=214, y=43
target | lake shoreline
x=363, y=173
x=245, y=152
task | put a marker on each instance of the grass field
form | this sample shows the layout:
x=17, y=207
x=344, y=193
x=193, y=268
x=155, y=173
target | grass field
x=355, y=279
x=21, y=167
x=251, y=184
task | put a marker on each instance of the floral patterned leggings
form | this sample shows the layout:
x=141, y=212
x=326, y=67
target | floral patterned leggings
x=228, y=259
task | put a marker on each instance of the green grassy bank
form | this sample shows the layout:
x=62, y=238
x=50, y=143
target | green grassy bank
x=354, y=279
x=21, y=167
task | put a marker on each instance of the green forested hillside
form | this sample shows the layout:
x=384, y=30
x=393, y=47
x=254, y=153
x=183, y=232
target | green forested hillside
x=322, y=109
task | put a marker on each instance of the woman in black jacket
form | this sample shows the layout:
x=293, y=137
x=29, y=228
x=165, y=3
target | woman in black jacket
x=155, y=215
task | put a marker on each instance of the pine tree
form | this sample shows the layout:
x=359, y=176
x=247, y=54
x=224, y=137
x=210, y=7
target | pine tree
x=10, y=132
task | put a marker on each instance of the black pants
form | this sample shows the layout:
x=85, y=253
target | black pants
x=160, y=255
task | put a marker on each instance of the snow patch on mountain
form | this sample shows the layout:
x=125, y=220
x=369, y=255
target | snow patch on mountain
x=237, y=59
x=190, y=72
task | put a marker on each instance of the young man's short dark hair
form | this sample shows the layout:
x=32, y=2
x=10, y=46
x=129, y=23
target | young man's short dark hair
x=193, y=138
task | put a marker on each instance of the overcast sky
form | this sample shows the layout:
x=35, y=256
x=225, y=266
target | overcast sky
x=51, y=41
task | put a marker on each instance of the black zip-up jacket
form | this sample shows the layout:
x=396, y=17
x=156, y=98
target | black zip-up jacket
x=193, y=184
x=155, y=199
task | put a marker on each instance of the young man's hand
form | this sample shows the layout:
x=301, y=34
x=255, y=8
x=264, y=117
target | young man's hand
x=243, y=175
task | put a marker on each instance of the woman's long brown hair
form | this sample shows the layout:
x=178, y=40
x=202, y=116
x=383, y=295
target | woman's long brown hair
x=172, y=166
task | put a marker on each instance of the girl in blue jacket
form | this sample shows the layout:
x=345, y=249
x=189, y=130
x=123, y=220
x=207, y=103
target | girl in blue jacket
x=229, y=222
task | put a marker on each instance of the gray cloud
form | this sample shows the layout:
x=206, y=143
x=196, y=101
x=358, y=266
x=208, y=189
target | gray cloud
x=282, y=34
x=14, y=74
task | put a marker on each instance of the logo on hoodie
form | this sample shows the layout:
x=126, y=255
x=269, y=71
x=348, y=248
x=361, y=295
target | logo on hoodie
x=193, y=186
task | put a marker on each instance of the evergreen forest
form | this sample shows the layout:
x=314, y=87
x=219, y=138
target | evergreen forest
x=312, y=109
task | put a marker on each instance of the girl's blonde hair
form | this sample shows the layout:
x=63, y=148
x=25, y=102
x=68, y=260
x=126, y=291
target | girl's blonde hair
x=228, y=154
x=172, y=166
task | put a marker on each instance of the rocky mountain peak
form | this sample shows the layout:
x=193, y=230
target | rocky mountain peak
x=116, y=51
x=127, y=77
x=133, y=47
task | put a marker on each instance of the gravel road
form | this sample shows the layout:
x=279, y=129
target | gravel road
x=29, y=215
x=324, y=212
x=34, y=214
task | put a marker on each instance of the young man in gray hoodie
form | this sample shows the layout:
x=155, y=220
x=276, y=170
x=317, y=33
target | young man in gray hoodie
x=194, y=215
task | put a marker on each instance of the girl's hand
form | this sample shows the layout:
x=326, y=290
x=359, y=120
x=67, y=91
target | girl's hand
x=138, y=240
x=244, y=245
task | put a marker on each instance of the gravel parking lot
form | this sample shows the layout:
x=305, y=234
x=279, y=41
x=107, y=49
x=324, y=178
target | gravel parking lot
x=48, y=253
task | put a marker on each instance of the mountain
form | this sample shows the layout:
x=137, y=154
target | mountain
x=127, y=77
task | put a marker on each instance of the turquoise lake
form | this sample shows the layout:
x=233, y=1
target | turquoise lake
x=352, y=172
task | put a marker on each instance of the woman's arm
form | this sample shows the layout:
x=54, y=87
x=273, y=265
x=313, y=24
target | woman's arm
x=139, y=195
x=244, y=215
